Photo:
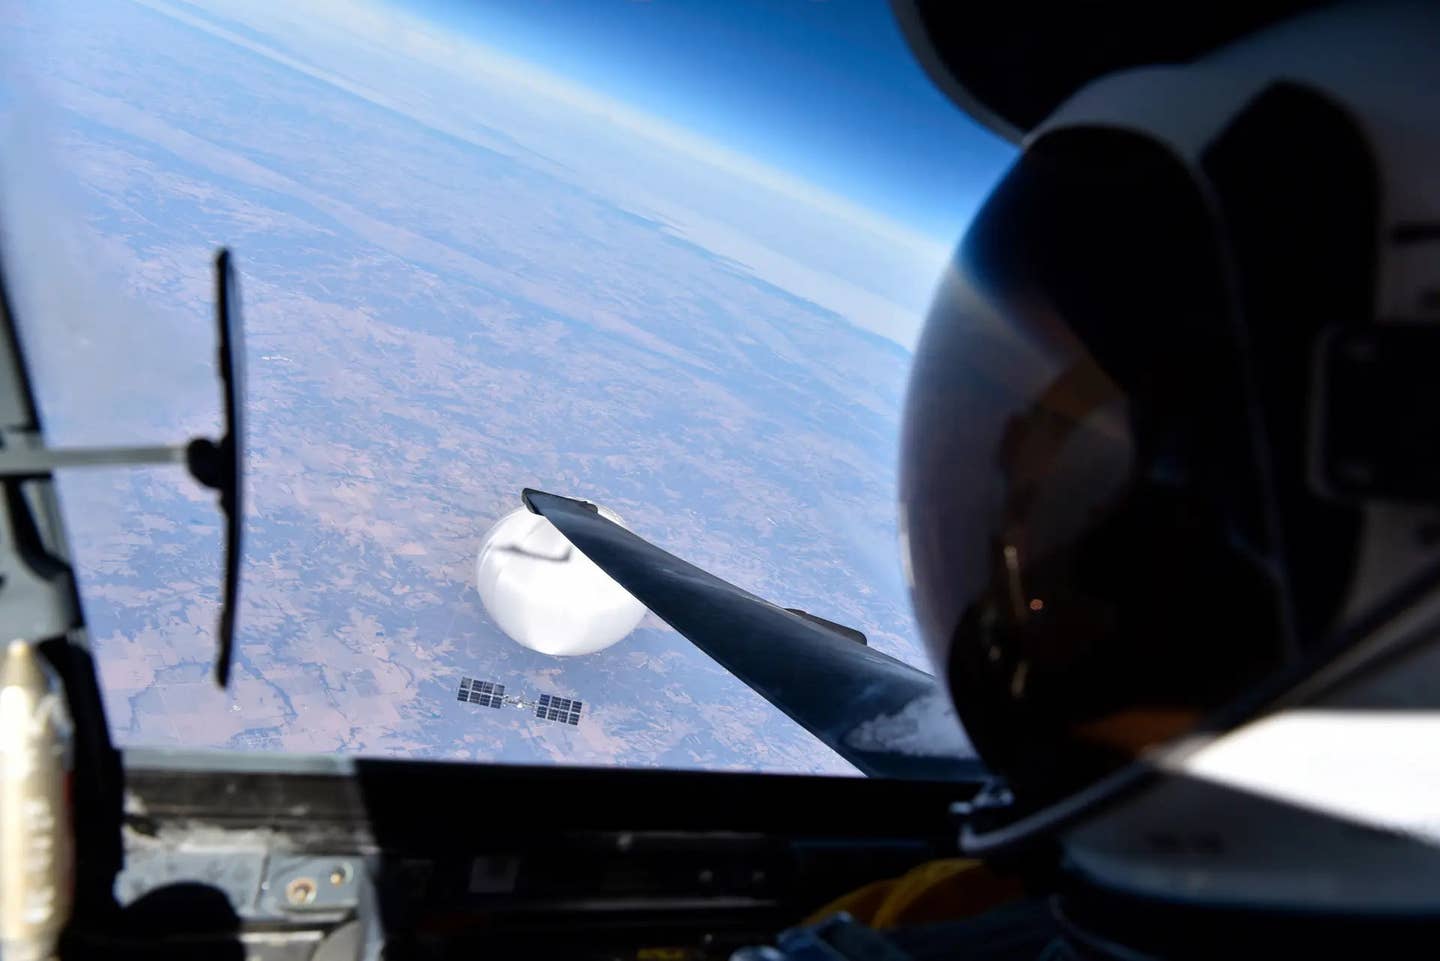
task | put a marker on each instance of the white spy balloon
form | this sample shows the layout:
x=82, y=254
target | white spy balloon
x=545, y=594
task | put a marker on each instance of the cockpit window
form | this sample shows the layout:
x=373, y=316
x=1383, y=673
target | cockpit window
x=671, y=259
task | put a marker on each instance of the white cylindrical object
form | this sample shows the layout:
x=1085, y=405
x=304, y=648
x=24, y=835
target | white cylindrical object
x=37, y=856
x=546, y=595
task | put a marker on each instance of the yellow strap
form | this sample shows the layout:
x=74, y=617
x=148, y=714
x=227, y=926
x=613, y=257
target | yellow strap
x=934, y=891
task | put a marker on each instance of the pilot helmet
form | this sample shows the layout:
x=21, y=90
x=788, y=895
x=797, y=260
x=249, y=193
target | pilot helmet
x=1171, y=456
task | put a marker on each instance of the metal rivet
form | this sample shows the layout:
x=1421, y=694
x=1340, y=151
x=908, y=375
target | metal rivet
x=301, y=891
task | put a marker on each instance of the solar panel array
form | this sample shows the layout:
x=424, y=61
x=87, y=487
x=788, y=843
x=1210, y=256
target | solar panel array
x=484, y=693
x=562, y=709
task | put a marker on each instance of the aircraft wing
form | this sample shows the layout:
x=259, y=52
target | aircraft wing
x=880, y=714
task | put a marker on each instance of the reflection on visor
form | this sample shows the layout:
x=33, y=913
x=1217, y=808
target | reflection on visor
x=1097, y=469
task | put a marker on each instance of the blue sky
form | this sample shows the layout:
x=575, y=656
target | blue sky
x=799, y=140
x=827, y=91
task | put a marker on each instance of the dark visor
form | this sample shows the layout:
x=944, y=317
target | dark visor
x=1095, y=543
